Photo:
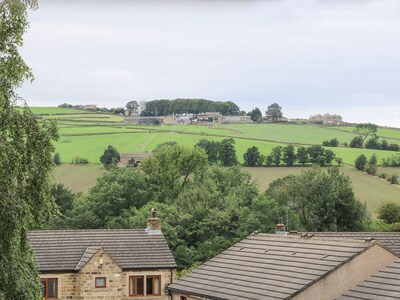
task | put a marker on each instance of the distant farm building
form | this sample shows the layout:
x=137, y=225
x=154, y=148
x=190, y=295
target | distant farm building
x=170, y=120
x=326, y=119
x=138, y=157
x=144, y=120
x=236, y=119
x=90, y=107
x=210, y=117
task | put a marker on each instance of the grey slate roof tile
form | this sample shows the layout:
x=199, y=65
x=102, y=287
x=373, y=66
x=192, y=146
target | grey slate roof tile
x=390, y=240
x=383, y=285
x=265, y=266
x=68, y=250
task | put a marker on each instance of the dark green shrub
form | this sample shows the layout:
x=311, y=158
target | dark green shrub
x=57, y=159
x=394, y=179
x=79, y=160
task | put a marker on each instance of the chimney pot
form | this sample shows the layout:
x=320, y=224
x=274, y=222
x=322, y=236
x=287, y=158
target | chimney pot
x=280, y=229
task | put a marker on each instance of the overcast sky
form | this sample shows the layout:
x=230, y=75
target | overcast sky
x=310, y=56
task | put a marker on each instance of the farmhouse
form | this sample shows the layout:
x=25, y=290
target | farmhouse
x=236, y=119
x=104, y=264
x=326, y=119
x=265, y=266
x=90, y=107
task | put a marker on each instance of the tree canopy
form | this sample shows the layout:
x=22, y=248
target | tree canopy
x=366, y=129
x=274, y=112
x=25, y=162
x=165, y=107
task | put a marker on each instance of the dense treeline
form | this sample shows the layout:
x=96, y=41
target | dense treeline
x=206, y=208
x=165, y=107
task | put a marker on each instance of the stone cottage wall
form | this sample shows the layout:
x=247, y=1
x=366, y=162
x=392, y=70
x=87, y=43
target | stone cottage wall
x=67, y=285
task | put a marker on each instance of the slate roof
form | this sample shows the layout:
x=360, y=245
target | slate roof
x=69, y=250
x=390, y=240
x=266, y=266
x=384, y=285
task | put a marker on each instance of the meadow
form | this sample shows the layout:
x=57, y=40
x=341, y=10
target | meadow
x=87, y=136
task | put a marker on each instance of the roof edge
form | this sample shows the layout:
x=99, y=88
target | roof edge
x=332, y=270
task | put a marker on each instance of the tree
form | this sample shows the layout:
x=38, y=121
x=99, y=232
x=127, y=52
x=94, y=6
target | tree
x=323, y=200
x=302, y=155
x=25, y=162
x=251, y=157
x=227, y=153
x=64, y=197
x=212, y=149
x=356, y=142
x=289, y=156
x=366, y=129
x=360, y=162
x=256, y=115
x=372, y=165
x=276, y=155
x=57, y=159
x=372, y=143
x=274, y=112
x=132, y=106
x=389, y=212
x=110, y=157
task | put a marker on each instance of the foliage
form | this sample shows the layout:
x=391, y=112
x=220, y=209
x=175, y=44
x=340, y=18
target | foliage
x=356, y=142
x=25, y=162
x=322, y=200
x=256, y=115
x=289, y=155
x=211, y=148
x=372, y=165
x=366, y=129
x=227, y=153
x=132, y=163
x=110, y=157
x=394, y=161
x=331, y=143
x=394, y=179
x=302, y=155
x=171, y=168
x=361, y=162
x=63, y=196
x=166, y=107
x=251, y=157
x=79, y=161
x=165, y=144
x=57, y=159
x=389, y=212
x=274, y=112
x=132, y=106
x=372, y=143
x=276, y=155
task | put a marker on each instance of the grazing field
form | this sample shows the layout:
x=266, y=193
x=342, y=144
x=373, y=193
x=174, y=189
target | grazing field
x=79, y=178
x=56, y=111
x=87, y=134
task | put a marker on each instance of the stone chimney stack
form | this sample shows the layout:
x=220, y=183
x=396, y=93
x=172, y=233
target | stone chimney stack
x=153, y=223
x=280, y=229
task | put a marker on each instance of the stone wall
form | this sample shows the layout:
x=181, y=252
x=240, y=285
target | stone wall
x=67, y=284
x=81, y=285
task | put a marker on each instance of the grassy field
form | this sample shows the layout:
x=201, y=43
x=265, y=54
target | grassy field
x=79, y=178
x=56, y=111
x=88, y=134
x=372, y=190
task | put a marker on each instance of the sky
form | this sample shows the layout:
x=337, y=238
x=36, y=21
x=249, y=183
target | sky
x=309, y=56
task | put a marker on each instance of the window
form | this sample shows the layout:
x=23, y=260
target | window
x=139, y=284
x=136, y=286
x=183, y=298
x=100, y=282
x=49, y=288
x=153, y=285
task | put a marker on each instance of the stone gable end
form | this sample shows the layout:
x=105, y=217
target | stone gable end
x=101, y=265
